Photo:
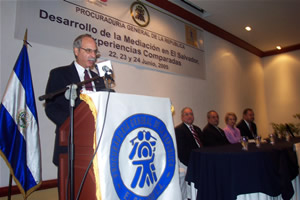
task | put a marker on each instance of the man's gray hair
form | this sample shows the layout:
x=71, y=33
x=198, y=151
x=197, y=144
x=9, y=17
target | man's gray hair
x=183, y=109
x=78, y=41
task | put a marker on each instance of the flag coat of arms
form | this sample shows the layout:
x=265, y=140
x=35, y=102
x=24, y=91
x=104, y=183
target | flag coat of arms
x=137, y=155
x=19, y=130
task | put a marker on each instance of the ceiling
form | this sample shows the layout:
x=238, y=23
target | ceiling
x=273, y=22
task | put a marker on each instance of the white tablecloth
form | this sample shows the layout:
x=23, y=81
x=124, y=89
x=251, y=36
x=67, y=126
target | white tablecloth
x=262, y=196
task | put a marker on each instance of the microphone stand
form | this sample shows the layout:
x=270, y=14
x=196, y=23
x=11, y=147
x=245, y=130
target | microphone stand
x=71, y=95
x=53, y=94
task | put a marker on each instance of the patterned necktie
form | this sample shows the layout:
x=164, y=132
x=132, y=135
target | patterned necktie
x=195, y=135
x=88, y=86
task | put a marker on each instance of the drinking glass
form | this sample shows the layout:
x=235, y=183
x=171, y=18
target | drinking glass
x=272, y=138
x=257, y=141
x=244, y=142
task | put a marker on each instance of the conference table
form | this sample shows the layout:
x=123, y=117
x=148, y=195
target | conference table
x=224, y=172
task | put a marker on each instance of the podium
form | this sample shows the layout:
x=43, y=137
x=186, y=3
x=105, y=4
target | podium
x=137, y=154
x=84, y=129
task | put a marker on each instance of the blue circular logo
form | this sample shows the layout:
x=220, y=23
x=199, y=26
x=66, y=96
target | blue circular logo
x=142, y=157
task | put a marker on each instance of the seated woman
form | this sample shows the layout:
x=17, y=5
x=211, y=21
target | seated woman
x=232, y=133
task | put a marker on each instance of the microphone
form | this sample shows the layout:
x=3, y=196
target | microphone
x=106, y=69
x=108, y=73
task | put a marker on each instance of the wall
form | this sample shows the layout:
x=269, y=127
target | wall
x=282, y=81
x=234, y=79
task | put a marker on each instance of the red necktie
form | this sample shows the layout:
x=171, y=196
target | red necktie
x=88, y=86
x=195, y=135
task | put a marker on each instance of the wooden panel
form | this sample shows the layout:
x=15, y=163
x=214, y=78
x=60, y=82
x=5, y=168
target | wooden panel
x=84, y=128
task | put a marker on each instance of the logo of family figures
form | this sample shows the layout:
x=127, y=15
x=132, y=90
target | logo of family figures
x=142, y=158
x=143, y=154
x=140, y=14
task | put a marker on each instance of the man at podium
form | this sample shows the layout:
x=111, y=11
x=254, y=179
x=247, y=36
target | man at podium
x=57, y=108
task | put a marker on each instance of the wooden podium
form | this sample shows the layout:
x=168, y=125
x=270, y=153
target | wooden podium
x=84, y=129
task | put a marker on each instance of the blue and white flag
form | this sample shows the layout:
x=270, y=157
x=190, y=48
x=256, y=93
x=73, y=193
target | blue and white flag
x=19, y=130
x=137, y=156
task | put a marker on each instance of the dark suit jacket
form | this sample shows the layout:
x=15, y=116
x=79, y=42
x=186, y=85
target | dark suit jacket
x=212, y=137
x=245, y=131
x=186, y=142
x=57, y=108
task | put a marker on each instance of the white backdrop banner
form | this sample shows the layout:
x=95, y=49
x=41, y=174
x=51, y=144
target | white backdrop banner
x=137, y=156
x=126, y=31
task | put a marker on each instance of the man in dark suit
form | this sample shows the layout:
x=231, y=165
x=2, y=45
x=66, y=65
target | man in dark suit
x=57, y=108
x=186, y=141
x=247, y=125
x=213, y=135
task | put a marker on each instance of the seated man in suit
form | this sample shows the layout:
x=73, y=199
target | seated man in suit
x=213, y=135
x=247, y=125
x=188, y=136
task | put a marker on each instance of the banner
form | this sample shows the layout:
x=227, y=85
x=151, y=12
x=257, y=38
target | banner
x=137, y=156
x=126, y=31
x=19, y=130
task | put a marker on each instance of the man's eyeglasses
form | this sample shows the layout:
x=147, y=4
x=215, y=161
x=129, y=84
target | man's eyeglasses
x=89, y=51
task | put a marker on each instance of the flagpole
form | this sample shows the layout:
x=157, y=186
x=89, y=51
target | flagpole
x=10, y=176
x=25, y=38
x=9, y=187
x=20, y=137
